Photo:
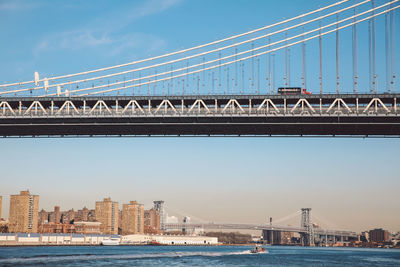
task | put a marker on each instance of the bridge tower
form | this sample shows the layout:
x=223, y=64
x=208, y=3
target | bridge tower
x=307, y=239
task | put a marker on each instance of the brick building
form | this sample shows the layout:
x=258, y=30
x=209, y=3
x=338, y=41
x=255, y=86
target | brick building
x=107, y=215
x=24, y=210
x=132, y=218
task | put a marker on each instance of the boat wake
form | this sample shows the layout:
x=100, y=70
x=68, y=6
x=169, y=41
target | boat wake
x=94, y=257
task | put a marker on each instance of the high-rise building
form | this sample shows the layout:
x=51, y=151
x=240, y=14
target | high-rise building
x=159, y=206
x=43, y=217
x=378, y=235
x=24, y=209
x=151, y=221
x=132, y=218
x=107, y=215
x=55, y=216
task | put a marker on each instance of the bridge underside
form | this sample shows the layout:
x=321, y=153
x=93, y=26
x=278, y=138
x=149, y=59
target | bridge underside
x=204, y=126
x=235, y=115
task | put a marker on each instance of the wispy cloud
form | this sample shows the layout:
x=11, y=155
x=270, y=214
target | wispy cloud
x=18, y=5
x=101, y=33
x=113, y=44
x=72, y=40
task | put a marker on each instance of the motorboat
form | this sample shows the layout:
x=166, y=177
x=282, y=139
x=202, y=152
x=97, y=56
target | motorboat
x=110, y=242
x=258, y=249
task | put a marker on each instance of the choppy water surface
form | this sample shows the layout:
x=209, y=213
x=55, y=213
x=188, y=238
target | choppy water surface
x=195, y=256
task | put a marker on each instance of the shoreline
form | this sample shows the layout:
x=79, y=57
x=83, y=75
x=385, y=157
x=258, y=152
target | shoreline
x=175, y=245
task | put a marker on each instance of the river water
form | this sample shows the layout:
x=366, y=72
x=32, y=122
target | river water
x=195, y=256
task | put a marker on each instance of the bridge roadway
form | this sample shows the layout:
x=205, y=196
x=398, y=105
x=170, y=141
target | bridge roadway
x=218, y=226
x=204, y=115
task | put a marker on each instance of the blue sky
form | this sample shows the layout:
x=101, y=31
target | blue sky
x=352, y=183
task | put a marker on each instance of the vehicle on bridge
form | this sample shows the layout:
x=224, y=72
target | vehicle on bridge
x=293, y=91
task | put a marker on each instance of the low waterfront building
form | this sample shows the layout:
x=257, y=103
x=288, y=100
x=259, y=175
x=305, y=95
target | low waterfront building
x=87, y=227
x=28, y=238
x=169, y=240
x=8, y=237
x=56, y=228
x=21, y=239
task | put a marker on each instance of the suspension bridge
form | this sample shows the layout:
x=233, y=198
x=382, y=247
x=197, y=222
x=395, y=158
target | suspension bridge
x=307, y=230
x=326, y=63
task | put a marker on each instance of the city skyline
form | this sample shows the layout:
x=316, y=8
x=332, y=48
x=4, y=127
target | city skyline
x=351, y=183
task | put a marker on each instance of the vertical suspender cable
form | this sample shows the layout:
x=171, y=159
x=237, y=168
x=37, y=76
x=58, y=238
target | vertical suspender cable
x=355, y=56
x=273, y=72
x=288, y=77
x=133, y=83
x=227, y=80
x=375, y=77
x=337, y=56
x=393, y=48
x=155, y=84
x=268, y=67
x=251, y=85
x=185, y=78
x=387, y=52
x=303, y=61
x=213, y=83
x=258, y=75
x=204, y=78
x=236, y=71
x=242, y=67
x=320, y=59
x=286, y=58
x=172, y=81
x=140, y=86
x=370, y=54
x=198, y=80
x=219, y=73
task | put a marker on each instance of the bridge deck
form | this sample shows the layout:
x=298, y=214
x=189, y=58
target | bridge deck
x=234, y=115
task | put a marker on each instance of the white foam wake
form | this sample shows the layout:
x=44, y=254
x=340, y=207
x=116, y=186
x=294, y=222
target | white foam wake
x=91, y=257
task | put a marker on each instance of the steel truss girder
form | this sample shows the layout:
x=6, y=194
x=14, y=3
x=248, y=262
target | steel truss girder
x=208, y=107
x=5, y=106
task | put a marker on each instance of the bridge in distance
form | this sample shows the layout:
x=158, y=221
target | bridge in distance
x=309, y=234
x=229, y=87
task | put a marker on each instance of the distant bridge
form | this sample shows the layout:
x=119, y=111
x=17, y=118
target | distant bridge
x=307, y=230
x=230, y=226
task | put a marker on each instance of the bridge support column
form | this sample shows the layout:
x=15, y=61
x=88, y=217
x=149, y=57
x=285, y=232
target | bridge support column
x=84, y=106
x=20, y=108
x=52, y=108
x=249, y=106
x=284, y=105
x=216, y=105
x=320, y=106
x=357, y=105
x=395, y=105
